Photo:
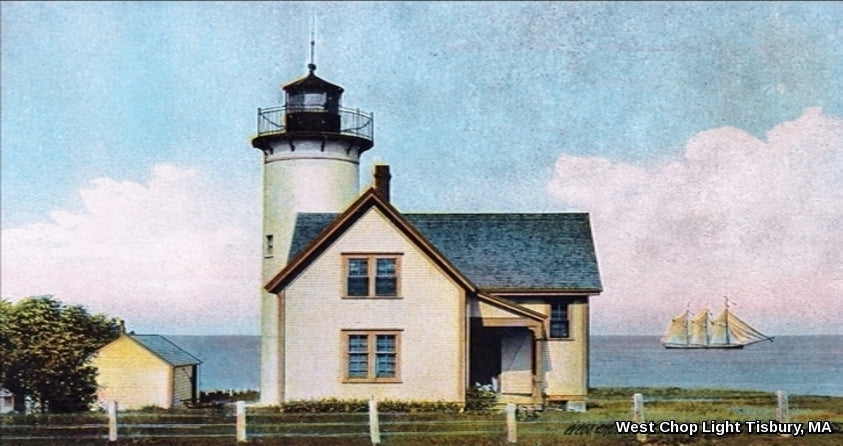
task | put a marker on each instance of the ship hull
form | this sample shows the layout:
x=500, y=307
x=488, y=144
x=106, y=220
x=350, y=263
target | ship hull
x=702, y=347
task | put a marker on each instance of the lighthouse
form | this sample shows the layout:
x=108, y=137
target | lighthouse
x=311, y=163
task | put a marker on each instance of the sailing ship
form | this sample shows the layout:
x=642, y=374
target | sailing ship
x=703, y=331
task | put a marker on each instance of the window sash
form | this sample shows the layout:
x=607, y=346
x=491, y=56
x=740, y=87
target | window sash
x=357, y=283
x=385, y=356
x=386, y=280
x=559, y=323
x=358, y=356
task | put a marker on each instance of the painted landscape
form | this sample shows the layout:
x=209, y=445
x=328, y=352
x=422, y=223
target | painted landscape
x=549, y=223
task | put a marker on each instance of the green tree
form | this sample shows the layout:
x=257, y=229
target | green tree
x=45, y=352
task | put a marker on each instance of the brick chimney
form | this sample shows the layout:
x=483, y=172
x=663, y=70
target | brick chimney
x=382, y=178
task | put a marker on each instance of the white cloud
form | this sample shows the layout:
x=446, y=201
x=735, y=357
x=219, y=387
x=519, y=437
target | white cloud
x=175, y=255
x=756, y=220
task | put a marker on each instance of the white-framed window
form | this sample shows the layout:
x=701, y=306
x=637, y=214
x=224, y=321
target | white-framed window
x=371, y=275
x=372, y=355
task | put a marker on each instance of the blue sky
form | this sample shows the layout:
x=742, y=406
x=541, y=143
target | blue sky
x=704, y=139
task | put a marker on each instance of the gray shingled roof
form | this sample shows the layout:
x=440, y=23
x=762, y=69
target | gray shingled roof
x=166, y=350
x=498, y=251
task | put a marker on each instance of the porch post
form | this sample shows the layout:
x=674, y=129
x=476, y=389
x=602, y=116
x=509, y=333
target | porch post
x=538, y=377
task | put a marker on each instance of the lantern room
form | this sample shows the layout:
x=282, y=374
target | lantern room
x=312, y=104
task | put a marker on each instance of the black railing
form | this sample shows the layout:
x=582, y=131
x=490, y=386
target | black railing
x=352, y=122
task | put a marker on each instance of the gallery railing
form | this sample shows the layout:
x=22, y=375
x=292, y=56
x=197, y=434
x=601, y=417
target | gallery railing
x=352, y=122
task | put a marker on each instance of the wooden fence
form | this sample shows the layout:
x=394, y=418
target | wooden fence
x=245, y=426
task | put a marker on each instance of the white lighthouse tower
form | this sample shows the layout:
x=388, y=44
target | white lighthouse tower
x=311, y=150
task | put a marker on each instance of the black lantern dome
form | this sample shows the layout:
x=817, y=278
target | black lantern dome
x=312, y=104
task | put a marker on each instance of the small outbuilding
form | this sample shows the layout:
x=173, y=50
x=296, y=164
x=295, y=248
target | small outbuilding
x=146, y=370
x=7, y=401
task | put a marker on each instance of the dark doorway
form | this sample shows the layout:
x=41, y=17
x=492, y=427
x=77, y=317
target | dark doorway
x=485, y=353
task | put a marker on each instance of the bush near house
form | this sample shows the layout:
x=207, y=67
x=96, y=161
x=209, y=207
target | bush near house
x=47, y=348
x=334, y=405
x=480, y=398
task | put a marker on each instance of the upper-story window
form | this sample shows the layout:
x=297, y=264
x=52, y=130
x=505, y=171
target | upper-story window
x=559, y=323
x=372, y=275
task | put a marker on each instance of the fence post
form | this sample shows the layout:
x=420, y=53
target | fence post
x=374, y=427
x=511, y=424
x=782, y=412
x=240, y=424
x=638, y=414
x=112, y=421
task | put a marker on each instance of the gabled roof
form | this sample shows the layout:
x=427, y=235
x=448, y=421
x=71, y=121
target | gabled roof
x=368, y=200
x=494, y=252
x=165, y=349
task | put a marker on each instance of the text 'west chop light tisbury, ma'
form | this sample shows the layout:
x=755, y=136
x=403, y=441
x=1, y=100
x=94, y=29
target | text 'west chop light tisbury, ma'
x=721, y=428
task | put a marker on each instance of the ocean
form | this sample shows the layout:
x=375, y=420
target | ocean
x=799, y=365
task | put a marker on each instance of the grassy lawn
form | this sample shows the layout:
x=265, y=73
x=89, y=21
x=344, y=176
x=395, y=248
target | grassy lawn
x=551, y=427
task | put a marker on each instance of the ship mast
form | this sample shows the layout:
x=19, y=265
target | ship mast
x=728, y=337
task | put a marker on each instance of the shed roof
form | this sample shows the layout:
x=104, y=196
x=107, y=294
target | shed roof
x=166, y=350
x=552, y=251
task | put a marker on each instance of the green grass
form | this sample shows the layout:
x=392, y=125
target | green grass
x=551, y=427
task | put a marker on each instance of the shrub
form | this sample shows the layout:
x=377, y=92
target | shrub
x=335, y=405
x=480, y=398
x=325, y=405
x=227, y=396
x=419, y=406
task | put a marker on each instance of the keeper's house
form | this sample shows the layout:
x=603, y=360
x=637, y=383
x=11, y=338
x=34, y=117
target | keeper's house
x=420, y=306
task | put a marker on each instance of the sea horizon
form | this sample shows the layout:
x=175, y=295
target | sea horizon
x=797, y=364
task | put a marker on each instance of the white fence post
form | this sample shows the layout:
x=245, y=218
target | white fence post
x=112, y=421
x=374, y=427
x=782, y=410
x=511, y=424
x=240, y=424
x=638, y=414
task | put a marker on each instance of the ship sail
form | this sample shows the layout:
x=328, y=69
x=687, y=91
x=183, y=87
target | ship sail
x=728, y=329
x=698, y=329
x=677, y=333
x=701, y=331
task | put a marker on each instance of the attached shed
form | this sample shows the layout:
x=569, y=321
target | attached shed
x=146, y=370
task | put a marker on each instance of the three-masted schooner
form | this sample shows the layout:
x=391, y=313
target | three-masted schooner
x=702, y=331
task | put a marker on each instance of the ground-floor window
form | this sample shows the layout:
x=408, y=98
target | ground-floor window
x=372, y=356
